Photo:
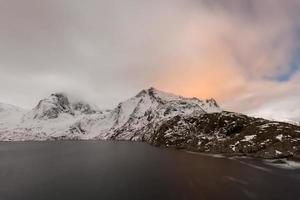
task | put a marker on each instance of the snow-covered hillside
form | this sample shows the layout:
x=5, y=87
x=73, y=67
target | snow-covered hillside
x=10, y=116
x=56, y=117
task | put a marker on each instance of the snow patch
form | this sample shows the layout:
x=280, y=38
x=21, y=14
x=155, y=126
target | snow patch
x=284, y=164
x=278, y=152
x=248, y=138
x=279, y=137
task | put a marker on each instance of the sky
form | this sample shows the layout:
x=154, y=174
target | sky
x=243, y=53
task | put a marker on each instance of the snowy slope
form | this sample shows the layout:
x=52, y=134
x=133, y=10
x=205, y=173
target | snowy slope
x=10, y=116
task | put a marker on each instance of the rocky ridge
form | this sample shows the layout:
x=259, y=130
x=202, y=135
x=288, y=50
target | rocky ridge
x=229, y=133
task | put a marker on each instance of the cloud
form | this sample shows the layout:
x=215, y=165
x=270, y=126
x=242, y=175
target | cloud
x=235, y=52
x=281, y=108
x=107, y=51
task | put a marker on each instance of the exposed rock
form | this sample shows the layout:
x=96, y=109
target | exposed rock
x=84, y=108
x=229, y=133
x=51, y=107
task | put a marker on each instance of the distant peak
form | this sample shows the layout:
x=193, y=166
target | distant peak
x=212, y=102
x=59, y=95
x=152, y=89
x=151, y=92
x=163, y=97
x=145, y=91
x=52, y=106
x=85, y=107
x=62, y=98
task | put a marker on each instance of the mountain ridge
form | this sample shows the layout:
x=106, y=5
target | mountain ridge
x=155, y=117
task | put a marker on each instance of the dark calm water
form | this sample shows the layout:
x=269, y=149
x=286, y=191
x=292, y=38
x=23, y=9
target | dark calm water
x=106, y=170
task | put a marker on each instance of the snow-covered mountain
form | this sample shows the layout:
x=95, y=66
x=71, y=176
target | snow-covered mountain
x=155, y=117
x=56, y=117
x=150, y=106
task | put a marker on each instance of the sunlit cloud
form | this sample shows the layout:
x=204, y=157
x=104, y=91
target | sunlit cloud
x=241, y=52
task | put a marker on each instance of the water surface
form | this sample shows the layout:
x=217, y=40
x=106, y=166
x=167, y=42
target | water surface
x=88, y=170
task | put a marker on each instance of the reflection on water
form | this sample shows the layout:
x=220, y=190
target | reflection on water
x=127, y=170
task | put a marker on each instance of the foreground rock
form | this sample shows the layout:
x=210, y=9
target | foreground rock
x=229, y=133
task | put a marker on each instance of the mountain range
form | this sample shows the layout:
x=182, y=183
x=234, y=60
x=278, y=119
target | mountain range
x=156, y=117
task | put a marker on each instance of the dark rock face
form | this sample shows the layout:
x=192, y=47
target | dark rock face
x=83, y=108
x=59, y=103
x=77, y=128
x=51, y=107
x=228, y=133
x=212, y=102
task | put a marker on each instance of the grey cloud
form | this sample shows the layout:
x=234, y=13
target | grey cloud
x=108, y=50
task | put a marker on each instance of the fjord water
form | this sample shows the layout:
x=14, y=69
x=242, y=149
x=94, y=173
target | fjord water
x=130, y=170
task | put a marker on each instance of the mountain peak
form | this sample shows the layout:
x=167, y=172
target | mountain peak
x=158, y=94
x=84, y=107
x=59, y=95
x=52, y=106
x=212, y=102
x=153, y=89
x=167, y=96
x=149, y=91
x=58, y=103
